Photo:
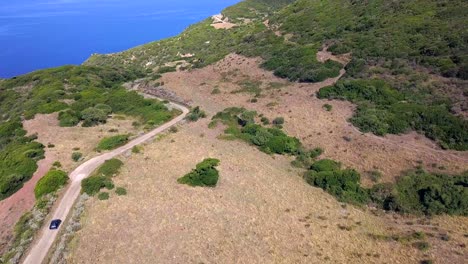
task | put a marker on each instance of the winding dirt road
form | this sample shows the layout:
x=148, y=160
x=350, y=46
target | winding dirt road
x=47, y=237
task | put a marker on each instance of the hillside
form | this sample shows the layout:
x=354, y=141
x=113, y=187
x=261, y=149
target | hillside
x=420, y=53
x=365, y=100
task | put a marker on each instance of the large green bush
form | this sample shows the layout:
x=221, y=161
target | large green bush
x=113, y=142
x=205, y=174
x=94, y=184
x=102, y=177
x=110, y=168
x=50, y=183
x=343, y=184
x=432, y=194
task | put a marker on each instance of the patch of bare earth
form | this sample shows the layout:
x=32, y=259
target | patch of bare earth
x=64, y=140
x=260, y=212
x=221, y=22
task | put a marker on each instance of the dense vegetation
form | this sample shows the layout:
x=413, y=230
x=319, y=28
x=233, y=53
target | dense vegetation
x=102, y=177
x=18, y=157
x=205, y=174
x=344, y=184
x=50, y=183
x=209, y=45
x=81, y=94
x=426, y=32
x=109, y=143
x=382, y=109
x=416, y=192
x=242, y=124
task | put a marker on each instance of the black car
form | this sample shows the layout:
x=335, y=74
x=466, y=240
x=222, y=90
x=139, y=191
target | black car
x=55, y=224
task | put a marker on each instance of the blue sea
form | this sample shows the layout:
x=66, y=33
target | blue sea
x=38, y=34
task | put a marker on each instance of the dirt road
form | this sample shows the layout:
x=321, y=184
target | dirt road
x=47, y=237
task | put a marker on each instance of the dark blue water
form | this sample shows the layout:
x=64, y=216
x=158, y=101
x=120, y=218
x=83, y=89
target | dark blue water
x=37, y=34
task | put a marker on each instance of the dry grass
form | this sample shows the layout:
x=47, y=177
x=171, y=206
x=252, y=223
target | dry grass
x=260, y=212
x=65, y=139
x=307, y=120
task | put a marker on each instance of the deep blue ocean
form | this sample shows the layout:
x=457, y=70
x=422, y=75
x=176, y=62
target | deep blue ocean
x=37, y=34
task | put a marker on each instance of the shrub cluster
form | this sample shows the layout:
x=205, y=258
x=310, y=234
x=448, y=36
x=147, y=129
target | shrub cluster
x=343, y=184
x=416, y=192
x=102, y=177
x=205, y=174
x=195, y=114
x=50, y=183
x=241, y=124
x=382, y=109
x=18, y=157
x=113, y=142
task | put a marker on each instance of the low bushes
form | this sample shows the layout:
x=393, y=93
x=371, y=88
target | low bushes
x=343, y=184
x=94, y=184
x=427, y=193
x=120, y=191
x=382, y=110
x=417, y=192
x=76, y=156
x=103, y=196
x=102, y=177
x=241, y=124
x=195, y=114
x=50, y=183
x=113, y=142
x=109, y=168
x=205, y=174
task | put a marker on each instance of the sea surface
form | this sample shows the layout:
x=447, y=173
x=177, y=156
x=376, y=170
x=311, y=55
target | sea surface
x=38, y=34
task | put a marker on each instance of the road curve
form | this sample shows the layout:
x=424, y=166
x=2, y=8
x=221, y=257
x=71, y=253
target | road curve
x=47, y=237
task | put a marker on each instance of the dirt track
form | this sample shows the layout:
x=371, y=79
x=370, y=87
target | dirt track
x=46, y=237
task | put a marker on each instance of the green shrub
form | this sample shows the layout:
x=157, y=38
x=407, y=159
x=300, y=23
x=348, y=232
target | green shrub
x=93, y=116
x=94, y=184
x=278, y=121
x=326, y=165
x=50, y=183
x=109, y=168
x=421, y=245
x=195, y=114
x=76, y=156
x=136, y=150
x=421, y=192
x=343, y=184
x=265, y=121
x=327, y=107
x=113, y=142
x=121, y=191
x=205, y=174
x=69, y=118
x=103, y=196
